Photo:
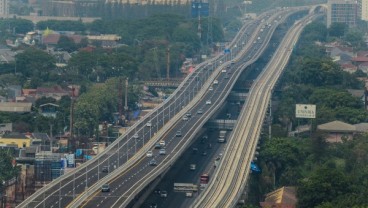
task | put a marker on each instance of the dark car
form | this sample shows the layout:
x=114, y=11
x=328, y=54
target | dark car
x=105, y=169
x=178, y=133
x=157, y=146
x=105, y=188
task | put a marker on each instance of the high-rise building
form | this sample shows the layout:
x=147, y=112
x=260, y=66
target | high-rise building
x=363, y=9
x=4, y=7
x=342, y=11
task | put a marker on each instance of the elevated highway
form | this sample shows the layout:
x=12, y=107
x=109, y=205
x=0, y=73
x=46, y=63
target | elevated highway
x=229, y=180
x=125, y=159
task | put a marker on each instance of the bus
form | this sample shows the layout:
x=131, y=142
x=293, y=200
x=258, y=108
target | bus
x=203, y=180
x=222, y=136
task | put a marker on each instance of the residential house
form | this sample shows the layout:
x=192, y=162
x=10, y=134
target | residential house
x=21, y=140
x=15, y=107
x=55, y=92
x=349, y=67
x=49, y=109
x=337, y=130
x=284, y=197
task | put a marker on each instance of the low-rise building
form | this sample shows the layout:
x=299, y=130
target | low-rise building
x=336, y=131
x=21, y=140
x=284, y=197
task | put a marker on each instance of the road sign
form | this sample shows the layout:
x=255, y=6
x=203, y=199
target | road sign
x=305, y=111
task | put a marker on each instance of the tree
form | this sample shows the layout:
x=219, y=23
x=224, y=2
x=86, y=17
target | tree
x=337, y=29
x=67, y=44
x=7, y=171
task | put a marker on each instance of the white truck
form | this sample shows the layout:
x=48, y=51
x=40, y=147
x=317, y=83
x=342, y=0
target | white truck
x=222, y=136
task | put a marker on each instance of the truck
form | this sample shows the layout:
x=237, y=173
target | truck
x=222, y=136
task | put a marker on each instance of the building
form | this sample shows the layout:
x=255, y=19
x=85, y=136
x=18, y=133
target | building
x=336, y=131
x=4, y=8
x=363, y=9
x=284, y=197
x=342, y=11
x=21, y=140
x=15, y=107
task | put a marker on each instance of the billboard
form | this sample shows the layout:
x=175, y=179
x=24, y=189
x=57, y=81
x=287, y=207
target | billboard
x=200, y=9
x=305, y=111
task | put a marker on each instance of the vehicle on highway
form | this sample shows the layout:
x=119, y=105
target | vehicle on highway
x=105, y=169
x=200, y=111
x=136, y=136
x=157, y=145
x=178, y=133
x=215, y=82
x=185, y=118
x=105, y=188
x=162, y=143
x=233, y=62
x=192, y=166
x=227, y=76
x=223, y=70
x=152, y=162
x=203, y=180
x=204, y=153
x=163, y=194
x=189, y=114
x=208, y=102
x=195, y=150
x=153, y=205
x=210, y=89
x=222, y=136
x=149, y=124
x=149, y=153
x=162, y=152
x=189, y=194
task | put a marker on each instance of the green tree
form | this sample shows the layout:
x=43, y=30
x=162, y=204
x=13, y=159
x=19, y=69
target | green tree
x=7, y=171
x=67, y=44
x=337, y=29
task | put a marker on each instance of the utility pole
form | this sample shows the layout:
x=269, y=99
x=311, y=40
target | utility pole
x=71, y=119
x=126, y=98
x=120, y=94
x=168, y=64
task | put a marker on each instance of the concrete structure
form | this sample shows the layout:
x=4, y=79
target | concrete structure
x=284, y=197
x=342, y=11
x=363, y=9
x=15, y=107
x=4, y=8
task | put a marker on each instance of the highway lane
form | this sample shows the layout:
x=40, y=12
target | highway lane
x=233, y=171
x=135, y=171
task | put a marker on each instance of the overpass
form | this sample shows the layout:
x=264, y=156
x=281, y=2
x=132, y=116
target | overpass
x=129, y=171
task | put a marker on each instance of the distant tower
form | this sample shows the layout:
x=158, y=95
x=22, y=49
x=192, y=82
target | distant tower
x=4, y=8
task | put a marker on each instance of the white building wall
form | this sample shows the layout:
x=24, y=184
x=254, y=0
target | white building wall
x=364, y=10
x=4, y=8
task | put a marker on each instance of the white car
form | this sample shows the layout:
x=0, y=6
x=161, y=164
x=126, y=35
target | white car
x=223, y=71
x=210, y=89
x=215, y=82
x=162, y=143
x=135, y=136
x=149, y=153
x=208, y=102
x=149, y=124
x=185, y=118
x=162, y=152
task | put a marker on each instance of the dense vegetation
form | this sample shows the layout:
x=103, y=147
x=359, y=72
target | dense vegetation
x=327, y=175
x=7, y=171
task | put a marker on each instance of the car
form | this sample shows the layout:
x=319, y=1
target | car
x=195, y=150
x=136, y=136
x=162, y=143
x=210, y=89
x=105, y=188
x=205, y=136
x=215, y=82
x=189, y=114
x=157, y=145
x=185, y=118
x=105, y=169
x=163, y=194
x=192, y=166
x=149, y=124
x=223, y=71
x=162, y=152
x=204, y=153
x=208, y=102
x=149, y=153
x=189, y=194
x=152, y=162
x=226, y=76
x=233, y=62
x=178, y=133
x=153, y=205
x=200, y=111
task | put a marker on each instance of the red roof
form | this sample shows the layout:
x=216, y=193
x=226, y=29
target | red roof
x=55, y=89
x=51, y=39
x=362, y=53
x=360, y=59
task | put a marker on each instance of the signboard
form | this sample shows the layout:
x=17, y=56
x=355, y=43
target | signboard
x=305, y=111
x=70, y=160
x=200, y=9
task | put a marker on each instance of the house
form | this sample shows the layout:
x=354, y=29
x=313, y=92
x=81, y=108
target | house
x=21, y=140
x=337, y=130
x=15, y=107
x=55, y=92
x=284, y=197
x=349, y=67
x=361, y=127
x=49, y=109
